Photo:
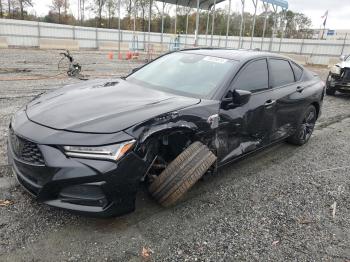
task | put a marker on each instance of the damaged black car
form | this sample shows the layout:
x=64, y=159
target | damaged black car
x=88, y=147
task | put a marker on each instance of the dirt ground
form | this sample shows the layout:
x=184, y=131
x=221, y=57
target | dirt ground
x=286, y=203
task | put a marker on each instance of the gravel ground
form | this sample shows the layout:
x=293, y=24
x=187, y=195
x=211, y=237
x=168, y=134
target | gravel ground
x=276, y=205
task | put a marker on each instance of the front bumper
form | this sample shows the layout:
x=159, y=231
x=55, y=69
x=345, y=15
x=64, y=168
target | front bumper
x=91, y=187
x=340, y=83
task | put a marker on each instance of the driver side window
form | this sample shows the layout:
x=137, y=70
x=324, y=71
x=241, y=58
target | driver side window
x=254, y=77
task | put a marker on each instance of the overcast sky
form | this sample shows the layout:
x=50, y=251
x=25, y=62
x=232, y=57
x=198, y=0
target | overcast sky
x=338, y=18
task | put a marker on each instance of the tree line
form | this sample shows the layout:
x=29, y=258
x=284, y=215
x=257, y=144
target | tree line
x=105, y=15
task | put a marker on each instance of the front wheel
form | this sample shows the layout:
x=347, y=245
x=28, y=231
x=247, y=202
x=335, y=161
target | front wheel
x=181, y=174
x=305, y=127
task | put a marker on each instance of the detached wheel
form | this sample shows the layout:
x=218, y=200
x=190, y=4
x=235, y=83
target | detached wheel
x=181, y=174
x=329, y=89
x=305, y=127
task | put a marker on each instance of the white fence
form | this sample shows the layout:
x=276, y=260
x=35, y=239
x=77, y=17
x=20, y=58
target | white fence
x=28, y=33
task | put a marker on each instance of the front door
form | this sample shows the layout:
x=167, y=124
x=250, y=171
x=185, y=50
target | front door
x=246, y=128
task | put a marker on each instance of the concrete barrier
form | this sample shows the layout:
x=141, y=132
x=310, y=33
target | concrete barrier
x=159, y=48
x=113, y=46
x=333, y=61
x=301, y=59
x=45, y=43
x=3, y=42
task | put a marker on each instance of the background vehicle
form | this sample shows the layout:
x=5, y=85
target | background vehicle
x=87, y=147
x=339, y=77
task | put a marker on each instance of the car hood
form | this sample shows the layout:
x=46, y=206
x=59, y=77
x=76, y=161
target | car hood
x=102, y=106
x=344, y=64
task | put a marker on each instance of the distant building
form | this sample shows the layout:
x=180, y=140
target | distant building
x=331, y=34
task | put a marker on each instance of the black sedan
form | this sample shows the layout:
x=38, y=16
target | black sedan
x=88, y=147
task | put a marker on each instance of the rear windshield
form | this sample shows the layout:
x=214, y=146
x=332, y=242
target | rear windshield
x=184, y=73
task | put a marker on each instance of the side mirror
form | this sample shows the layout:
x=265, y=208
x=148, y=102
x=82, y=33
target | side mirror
x=236, y=98
x=342, y=58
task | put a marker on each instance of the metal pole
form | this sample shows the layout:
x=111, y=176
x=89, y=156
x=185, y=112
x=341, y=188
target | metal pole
x=275, y=8
x=197, y=25
x=283, y=27
x=186, y=27
x=266, y=5
x=342, y=50
x=301, y=46
x=207, y=28
x=135, y=12
x=255, y=3
x=162, y=28
x=149, y=29
x=96, y=36
x=175, y=18
x=212, y=24
x=241, y=29
x=39, y=33
x=119, y=28
x=228, y=21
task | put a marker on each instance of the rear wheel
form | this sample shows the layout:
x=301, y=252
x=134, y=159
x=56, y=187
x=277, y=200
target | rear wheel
x=181, y=174
x=305, y=127
x=329, y=89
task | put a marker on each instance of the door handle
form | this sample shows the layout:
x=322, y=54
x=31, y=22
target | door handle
x=300, y=89
x=269, y=102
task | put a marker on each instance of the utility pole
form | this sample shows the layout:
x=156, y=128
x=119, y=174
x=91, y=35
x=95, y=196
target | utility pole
x=228, y=21
x=241, y=29
x=255, y=3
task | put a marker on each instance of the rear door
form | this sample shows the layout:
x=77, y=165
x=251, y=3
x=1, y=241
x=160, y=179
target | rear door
x=246, y=128
x=288, y=92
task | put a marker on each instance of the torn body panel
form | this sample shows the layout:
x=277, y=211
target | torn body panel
x=339, y=76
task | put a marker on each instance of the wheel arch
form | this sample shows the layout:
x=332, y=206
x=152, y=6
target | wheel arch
x=149, y=145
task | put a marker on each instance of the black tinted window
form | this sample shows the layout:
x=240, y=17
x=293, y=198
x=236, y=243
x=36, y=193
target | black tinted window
x=297, y=71
x=254, y=77
x=281, y=73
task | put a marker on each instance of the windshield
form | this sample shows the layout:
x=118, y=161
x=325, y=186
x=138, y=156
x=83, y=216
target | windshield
x=184, y=73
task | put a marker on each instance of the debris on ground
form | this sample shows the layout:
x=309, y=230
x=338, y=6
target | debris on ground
x=334, y=208
x=5, y=203
x=146, y=253
x=274, y=243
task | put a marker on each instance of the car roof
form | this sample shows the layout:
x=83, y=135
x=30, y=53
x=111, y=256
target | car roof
x=232, y=54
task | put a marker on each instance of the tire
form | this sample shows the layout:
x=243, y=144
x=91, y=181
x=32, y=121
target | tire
x=181, y=174
x=329, y=90
x=305, y=127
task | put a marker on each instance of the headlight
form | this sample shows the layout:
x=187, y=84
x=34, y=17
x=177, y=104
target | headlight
x=111, y=152
x=335, y=70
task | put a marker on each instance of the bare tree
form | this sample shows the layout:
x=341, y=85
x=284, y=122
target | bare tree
x=81, y=10
x=9, y=8
x=66, y=5
x=99, y=5
x=1, y=14
x=111, y=6
x=57, y=6
x=23, y=4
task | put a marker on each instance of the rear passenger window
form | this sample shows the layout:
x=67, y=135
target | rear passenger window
x=281, y=73
x=298, y=71
x=254, y=77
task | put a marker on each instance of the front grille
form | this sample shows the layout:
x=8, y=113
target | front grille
x=346, y=74
x=26, y=150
